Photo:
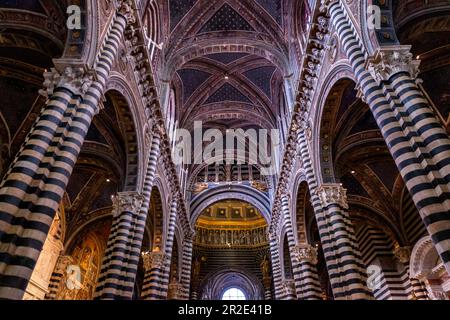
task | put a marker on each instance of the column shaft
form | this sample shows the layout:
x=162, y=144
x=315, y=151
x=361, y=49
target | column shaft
x=291, y=243
x=345, y=269
x=186, y=268
x=156, y=280
x=122, y=255
x=418, y=289
x=306, y=256
x=32, y=190
x=276, y=267
x=417, y=142
x=129, y=250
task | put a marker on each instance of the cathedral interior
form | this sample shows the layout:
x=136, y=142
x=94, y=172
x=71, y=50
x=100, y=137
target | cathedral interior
x=97, y=97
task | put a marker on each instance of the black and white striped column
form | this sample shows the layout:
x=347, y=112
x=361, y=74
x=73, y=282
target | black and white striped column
x=33, y=188
x=186, y=267
x=122, y=254
x=156, y=280
x=291, y=243
x=416, y=140
x=345, y=269
x=276, y=266
x=414, y=286
x=267, y=283
x=306, y=257
x=155, y=264
x=339, y=244
x=129, y=249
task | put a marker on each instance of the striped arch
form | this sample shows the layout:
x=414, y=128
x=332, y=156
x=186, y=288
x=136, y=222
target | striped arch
x=285, y=261
x=152, y=26
x=157, y=214
x=131, y=123
x=321, y=153
x=298, y=205
x=227, y=192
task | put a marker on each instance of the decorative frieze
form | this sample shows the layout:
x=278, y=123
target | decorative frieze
x=311, y=69
x=125, y=9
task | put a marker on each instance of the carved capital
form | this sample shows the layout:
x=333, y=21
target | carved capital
x=175, y=290
x=289, y=287
x=125, y=9
x=326, y=5
x=388, y=61
x=76, y=79
x=304, y=253
x=154, y=260
x=127, y=202
x=333, y=194
x=402, y=254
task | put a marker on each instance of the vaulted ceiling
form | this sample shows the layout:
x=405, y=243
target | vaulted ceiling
x=226, y=61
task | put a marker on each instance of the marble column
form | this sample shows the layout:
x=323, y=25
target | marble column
x=346, y=271
x=155, y=264
x=116, y=279
x=187, y=266
x=51, y=149
x=276, y=266
x=306, y=256
x=131, y=246
x=416, y=140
